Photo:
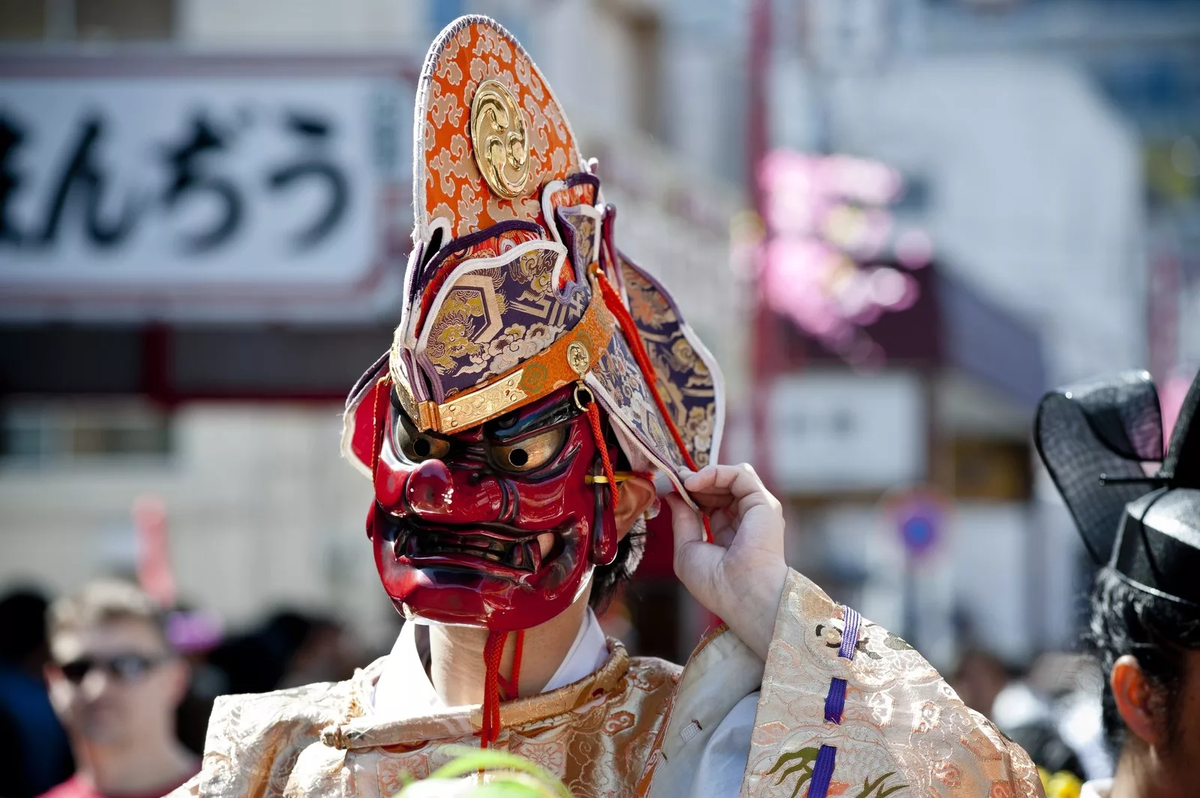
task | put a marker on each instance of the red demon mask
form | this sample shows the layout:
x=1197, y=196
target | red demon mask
x=497, y=526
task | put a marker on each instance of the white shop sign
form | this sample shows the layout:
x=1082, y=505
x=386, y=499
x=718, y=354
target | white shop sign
x=835, y=431
x=201, y=196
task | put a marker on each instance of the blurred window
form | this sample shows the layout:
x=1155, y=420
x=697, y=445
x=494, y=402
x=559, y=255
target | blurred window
x=442, y=13
x=86, y=20
x=37, y=434
x=916, y=196
x=992, y=470
x=22, y=20
x=646, y=36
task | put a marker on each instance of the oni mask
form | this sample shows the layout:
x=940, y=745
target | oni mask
x=496, y=526
x=517, y=303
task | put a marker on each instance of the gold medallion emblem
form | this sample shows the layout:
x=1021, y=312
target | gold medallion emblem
x=578, y=358
x=498, y=139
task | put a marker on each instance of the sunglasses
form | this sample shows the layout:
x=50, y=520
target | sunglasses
x=126, y=667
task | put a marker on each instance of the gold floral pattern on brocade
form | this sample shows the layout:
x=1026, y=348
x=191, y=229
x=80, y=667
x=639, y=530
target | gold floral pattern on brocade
x=595, y=735
x=492, y=318
x=900, y=717
x=684, y=378
x=448, y=182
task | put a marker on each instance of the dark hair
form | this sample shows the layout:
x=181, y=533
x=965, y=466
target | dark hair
x=23, y=619
x=607, y=579
x=1158, y=631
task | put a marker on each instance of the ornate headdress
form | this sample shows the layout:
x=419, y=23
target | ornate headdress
x=515, y=287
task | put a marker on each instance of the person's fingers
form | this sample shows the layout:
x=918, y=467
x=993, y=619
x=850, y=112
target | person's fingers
x=713, y=501
x=694, y=558
x=740, y=480
x=725, y=535
x=738, y=509
x=721, y=521
x=685, y=523
x=715, y=485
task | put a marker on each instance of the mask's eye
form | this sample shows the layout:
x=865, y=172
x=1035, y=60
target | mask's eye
x=415, y=446
x=529, y=453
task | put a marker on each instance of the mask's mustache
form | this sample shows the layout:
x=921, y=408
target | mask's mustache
x=491, y=543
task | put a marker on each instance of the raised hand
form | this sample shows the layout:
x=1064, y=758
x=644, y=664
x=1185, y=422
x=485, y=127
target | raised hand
x=740, y=575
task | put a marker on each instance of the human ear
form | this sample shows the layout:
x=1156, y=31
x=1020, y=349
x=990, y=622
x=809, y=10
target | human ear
x=634, y=498
x=1134, y=696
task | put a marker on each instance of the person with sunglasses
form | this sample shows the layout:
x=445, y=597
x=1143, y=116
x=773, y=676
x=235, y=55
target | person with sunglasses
x=115, y=683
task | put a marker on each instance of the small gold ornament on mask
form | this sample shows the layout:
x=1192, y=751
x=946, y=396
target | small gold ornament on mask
x=498, y=139
x=578, y=358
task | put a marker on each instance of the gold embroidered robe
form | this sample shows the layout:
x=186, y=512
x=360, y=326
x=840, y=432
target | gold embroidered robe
x=640, y=726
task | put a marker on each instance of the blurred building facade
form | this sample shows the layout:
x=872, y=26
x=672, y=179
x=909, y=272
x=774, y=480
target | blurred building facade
x=1046, y=147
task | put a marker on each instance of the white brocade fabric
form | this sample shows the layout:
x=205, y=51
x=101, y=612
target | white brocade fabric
x=641, y=726
x=404, y=691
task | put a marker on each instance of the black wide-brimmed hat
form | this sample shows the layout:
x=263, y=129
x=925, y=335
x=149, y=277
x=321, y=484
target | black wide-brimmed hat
x=1101, y=442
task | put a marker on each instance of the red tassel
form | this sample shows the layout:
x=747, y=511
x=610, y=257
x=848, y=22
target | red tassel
x=593, y=414
x=493, y=650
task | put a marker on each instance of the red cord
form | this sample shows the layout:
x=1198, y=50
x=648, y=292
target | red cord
x=634, y=337
x=493, y=650
x=613, y=300
x=376, y=430
x=593, y=414
x=511, y=688
x=516, y=668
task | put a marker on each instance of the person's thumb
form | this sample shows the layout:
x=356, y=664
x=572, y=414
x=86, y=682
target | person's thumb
x=685, y=522
x=691, y=551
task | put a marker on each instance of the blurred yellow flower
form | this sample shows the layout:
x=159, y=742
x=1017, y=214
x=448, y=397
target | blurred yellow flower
x=486, y=774
x=1061, y=784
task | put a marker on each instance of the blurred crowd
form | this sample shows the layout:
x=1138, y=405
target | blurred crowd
x=103, y=693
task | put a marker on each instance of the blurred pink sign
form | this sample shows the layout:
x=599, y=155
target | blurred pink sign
x=827, y=221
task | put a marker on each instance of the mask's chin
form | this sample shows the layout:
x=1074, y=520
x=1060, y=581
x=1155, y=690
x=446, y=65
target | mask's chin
x=492, y=576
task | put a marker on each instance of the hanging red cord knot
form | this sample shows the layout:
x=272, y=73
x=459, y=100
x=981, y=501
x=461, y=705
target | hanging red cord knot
x=493, y=650
x=587, y=403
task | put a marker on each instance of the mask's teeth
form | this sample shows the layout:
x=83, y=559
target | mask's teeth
x=533, y=555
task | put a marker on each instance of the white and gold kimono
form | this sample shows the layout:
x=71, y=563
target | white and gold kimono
x=857, y=702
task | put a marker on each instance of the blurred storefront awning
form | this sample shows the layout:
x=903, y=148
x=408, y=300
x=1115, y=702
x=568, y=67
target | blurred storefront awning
x=172, y=364
x=949, y=326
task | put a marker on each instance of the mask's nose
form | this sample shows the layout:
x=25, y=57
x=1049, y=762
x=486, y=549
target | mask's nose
x=452, y=495
x=430, y=488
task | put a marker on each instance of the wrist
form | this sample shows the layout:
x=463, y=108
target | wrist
x=752, y=618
